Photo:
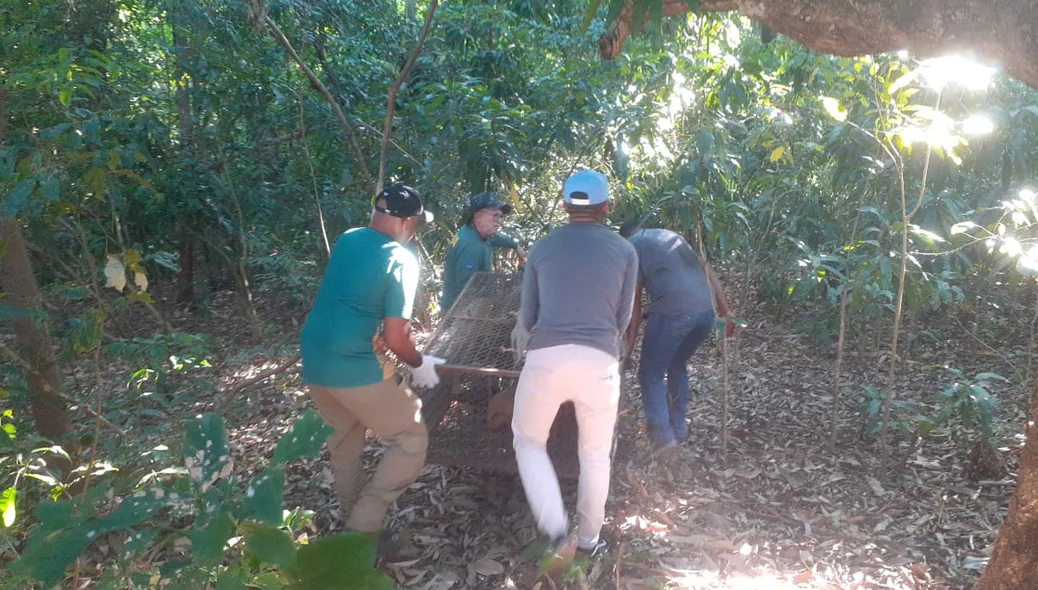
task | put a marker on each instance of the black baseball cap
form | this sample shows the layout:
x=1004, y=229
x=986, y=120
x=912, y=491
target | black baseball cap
x=402, y=201
x=488, y=201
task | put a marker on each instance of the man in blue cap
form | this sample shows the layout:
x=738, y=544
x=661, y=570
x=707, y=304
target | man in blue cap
x=577, y=297
x=472, y=251
x=370, y=282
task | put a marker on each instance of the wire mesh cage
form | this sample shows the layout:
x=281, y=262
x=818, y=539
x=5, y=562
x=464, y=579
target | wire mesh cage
x=475, y=338
x=475, y=334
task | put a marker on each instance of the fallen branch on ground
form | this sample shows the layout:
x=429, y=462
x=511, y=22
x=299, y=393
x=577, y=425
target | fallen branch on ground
x=104, y=421
x=234, y=391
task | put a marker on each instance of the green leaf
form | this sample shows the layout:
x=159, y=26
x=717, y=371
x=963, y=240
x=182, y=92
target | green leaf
x=267, y=581
x=903, y=81
x=132, y=511
x=7, y=506
x=65, y=95
x=88, y=333
x=15, y=201
x=76, y=293
x=52, y=133
x=271, y=545
x=10, y=312
x=205, y=451
x=341, y=561
x=50, y=188
x=47, y=564
x=167, y=260
x=304, y=439
x=265, y=497
x=228, y=581
x=207, y=544
x=138, y=542
x=990, y=376
x=776, y=154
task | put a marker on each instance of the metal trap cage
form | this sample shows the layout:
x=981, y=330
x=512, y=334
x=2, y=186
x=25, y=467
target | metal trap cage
x=474, y=337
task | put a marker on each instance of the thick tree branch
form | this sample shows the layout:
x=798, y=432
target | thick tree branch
x=1005, y=31
x=351, y=137
x=387, y=127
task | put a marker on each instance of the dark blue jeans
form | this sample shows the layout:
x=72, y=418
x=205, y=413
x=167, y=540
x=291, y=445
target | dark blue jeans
x=668, y=343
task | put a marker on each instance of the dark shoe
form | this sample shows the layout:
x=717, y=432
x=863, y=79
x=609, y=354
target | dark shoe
x=681, y=435
x=666, y=451
x=600, y=547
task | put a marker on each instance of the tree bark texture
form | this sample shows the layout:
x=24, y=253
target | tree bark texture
x=1014, y=562
x=185, y=125
x=1005, y=31
x=34, y=343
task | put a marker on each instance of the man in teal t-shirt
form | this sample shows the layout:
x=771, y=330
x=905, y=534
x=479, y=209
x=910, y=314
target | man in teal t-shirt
x=370, y=282
x=472, y=251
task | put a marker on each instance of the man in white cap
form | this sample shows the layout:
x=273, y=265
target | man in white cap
x=577, y=297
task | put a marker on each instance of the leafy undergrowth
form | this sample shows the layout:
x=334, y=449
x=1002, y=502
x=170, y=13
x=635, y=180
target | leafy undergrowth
x=781, y=510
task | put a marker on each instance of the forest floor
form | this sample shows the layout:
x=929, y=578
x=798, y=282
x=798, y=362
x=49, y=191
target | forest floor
x=782, y=509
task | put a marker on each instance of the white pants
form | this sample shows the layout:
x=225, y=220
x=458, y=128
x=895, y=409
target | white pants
x=552, y=376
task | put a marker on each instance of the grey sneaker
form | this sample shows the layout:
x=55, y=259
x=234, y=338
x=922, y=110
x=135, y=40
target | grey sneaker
x=600, y=547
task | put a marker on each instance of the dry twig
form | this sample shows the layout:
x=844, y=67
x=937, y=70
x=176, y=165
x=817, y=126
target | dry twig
x=282, y=368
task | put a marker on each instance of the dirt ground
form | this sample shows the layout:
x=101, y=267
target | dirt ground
x=779, y=508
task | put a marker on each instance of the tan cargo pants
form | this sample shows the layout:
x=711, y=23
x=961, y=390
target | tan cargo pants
x=391, y=411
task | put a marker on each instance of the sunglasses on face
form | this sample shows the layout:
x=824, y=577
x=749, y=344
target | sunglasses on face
x=497, y=217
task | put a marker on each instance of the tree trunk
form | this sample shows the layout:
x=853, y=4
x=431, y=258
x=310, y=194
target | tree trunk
x=34, y=344
x=1002, y=30
x=1014, y=563
x=185, y=127
x=19, y=284
x=186, y=290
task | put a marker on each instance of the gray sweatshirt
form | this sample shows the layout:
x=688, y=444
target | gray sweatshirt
x=578, y=288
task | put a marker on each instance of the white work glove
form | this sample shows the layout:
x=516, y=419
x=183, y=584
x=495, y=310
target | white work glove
x=520, y=339
x=424, y=375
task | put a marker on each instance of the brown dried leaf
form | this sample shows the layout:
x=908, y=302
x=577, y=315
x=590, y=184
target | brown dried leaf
x=487, y=567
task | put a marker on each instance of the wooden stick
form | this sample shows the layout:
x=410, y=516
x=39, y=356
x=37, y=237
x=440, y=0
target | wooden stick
x=254, y=380
x=489, y=371
x=346, y=127
x=387, y=127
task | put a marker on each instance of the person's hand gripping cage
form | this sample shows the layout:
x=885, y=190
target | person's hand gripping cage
x=424, y=376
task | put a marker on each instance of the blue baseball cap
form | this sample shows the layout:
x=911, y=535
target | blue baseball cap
x=586, y=187
x=488, y=201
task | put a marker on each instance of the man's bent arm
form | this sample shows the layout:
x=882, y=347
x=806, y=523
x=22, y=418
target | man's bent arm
x=398, y=338
x=628, y=293
x=636, y=319
x=719, y=298
x=500, y=240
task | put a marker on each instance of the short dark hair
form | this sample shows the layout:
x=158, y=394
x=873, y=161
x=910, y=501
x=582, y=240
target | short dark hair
x=596, y=209
x=630, y=226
